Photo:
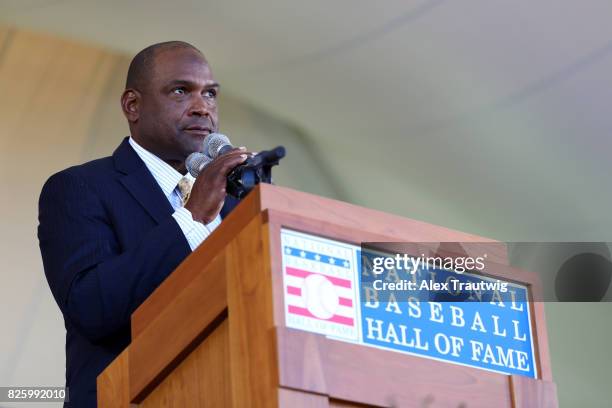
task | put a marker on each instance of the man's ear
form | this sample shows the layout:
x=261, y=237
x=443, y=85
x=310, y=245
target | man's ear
x=130, y=104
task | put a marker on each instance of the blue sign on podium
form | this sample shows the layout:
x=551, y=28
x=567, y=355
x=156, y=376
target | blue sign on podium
x=332, y=288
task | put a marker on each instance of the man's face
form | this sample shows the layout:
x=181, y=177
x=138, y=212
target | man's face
x=178, y=107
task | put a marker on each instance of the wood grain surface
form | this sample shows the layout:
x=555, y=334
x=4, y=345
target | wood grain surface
x=252, y=349
x=372, y=376
x=114, y=383
x=201, y=380
x=190, y=316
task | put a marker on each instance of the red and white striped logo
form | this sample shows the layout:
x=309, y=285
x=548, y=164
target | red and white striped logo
x=319, y=296
x=319, y=284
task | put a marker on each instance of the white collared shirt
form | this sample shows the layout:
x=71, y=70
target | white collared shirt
x=167, y=178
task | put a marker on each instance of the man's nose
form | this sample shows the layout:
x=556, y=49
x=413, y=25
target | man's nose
x=199, y=107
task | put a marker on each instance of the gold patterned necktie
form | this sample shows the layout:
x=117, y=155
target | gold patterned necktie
x=184, y=187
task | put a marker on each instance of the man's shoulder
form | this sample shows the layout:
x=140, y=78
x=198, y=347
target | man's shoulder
x=97, y=170
x=98, y=177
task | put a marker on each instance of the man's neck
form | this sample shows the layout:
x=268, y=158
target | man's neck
x=178, y=165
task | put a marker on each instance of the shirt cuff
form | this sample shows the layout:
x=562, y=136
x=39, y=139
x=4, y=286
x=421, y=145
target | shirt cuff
x=195, y=232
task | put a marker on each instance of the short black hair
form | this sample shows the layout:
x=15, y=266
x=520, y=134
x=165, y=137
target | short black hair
x=142, y=64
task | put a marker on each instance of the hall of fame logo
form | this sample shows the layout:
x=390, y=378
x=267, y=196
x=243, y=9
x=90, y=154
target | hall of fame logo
x=321, y=285
x=319, y=279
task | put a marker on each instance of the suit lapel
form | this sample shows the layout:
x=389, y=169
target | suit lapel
x=140, y=182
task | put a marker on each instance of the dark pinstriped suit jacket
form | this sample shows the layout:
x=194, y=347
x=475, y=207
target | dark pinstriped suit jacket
x=108, y=239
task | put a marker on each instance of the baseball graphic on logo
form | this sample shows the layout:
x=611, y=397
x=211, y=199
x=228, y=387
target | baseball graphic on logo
x=320, y=296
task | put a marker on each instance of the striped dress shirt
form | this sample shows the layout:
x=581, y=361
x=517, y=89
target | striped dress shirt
x=167, y=178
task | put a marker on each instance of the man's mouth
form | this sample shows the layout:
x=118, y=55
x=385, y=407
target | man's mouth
x=198, y=130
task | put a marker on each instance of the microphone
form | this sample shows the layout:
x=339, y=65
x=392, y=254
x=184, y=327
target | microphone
x=196, y=162
x=216, y=144
x=244, y=177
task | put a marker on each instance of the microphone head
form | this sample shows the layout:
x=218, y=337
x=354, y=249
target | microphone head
x=207, y=142
x=216, y=144
x=196, y=162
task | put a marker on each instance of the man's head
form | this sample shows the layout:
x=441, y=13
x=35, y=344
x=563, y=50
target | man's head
x=170, y=100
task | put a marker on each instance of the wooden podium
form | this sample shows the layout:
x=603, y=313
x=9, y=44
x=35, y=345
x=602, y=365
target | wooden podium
x=214, y=333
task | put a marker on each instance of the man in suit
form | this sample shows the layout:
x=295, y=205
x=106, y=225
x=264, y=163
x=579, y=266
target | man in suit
x=113, y=229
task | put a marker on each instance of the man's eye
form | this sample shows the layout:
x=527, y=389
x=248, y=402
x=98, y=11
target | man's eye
x=211, y=93
x=179, y=91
